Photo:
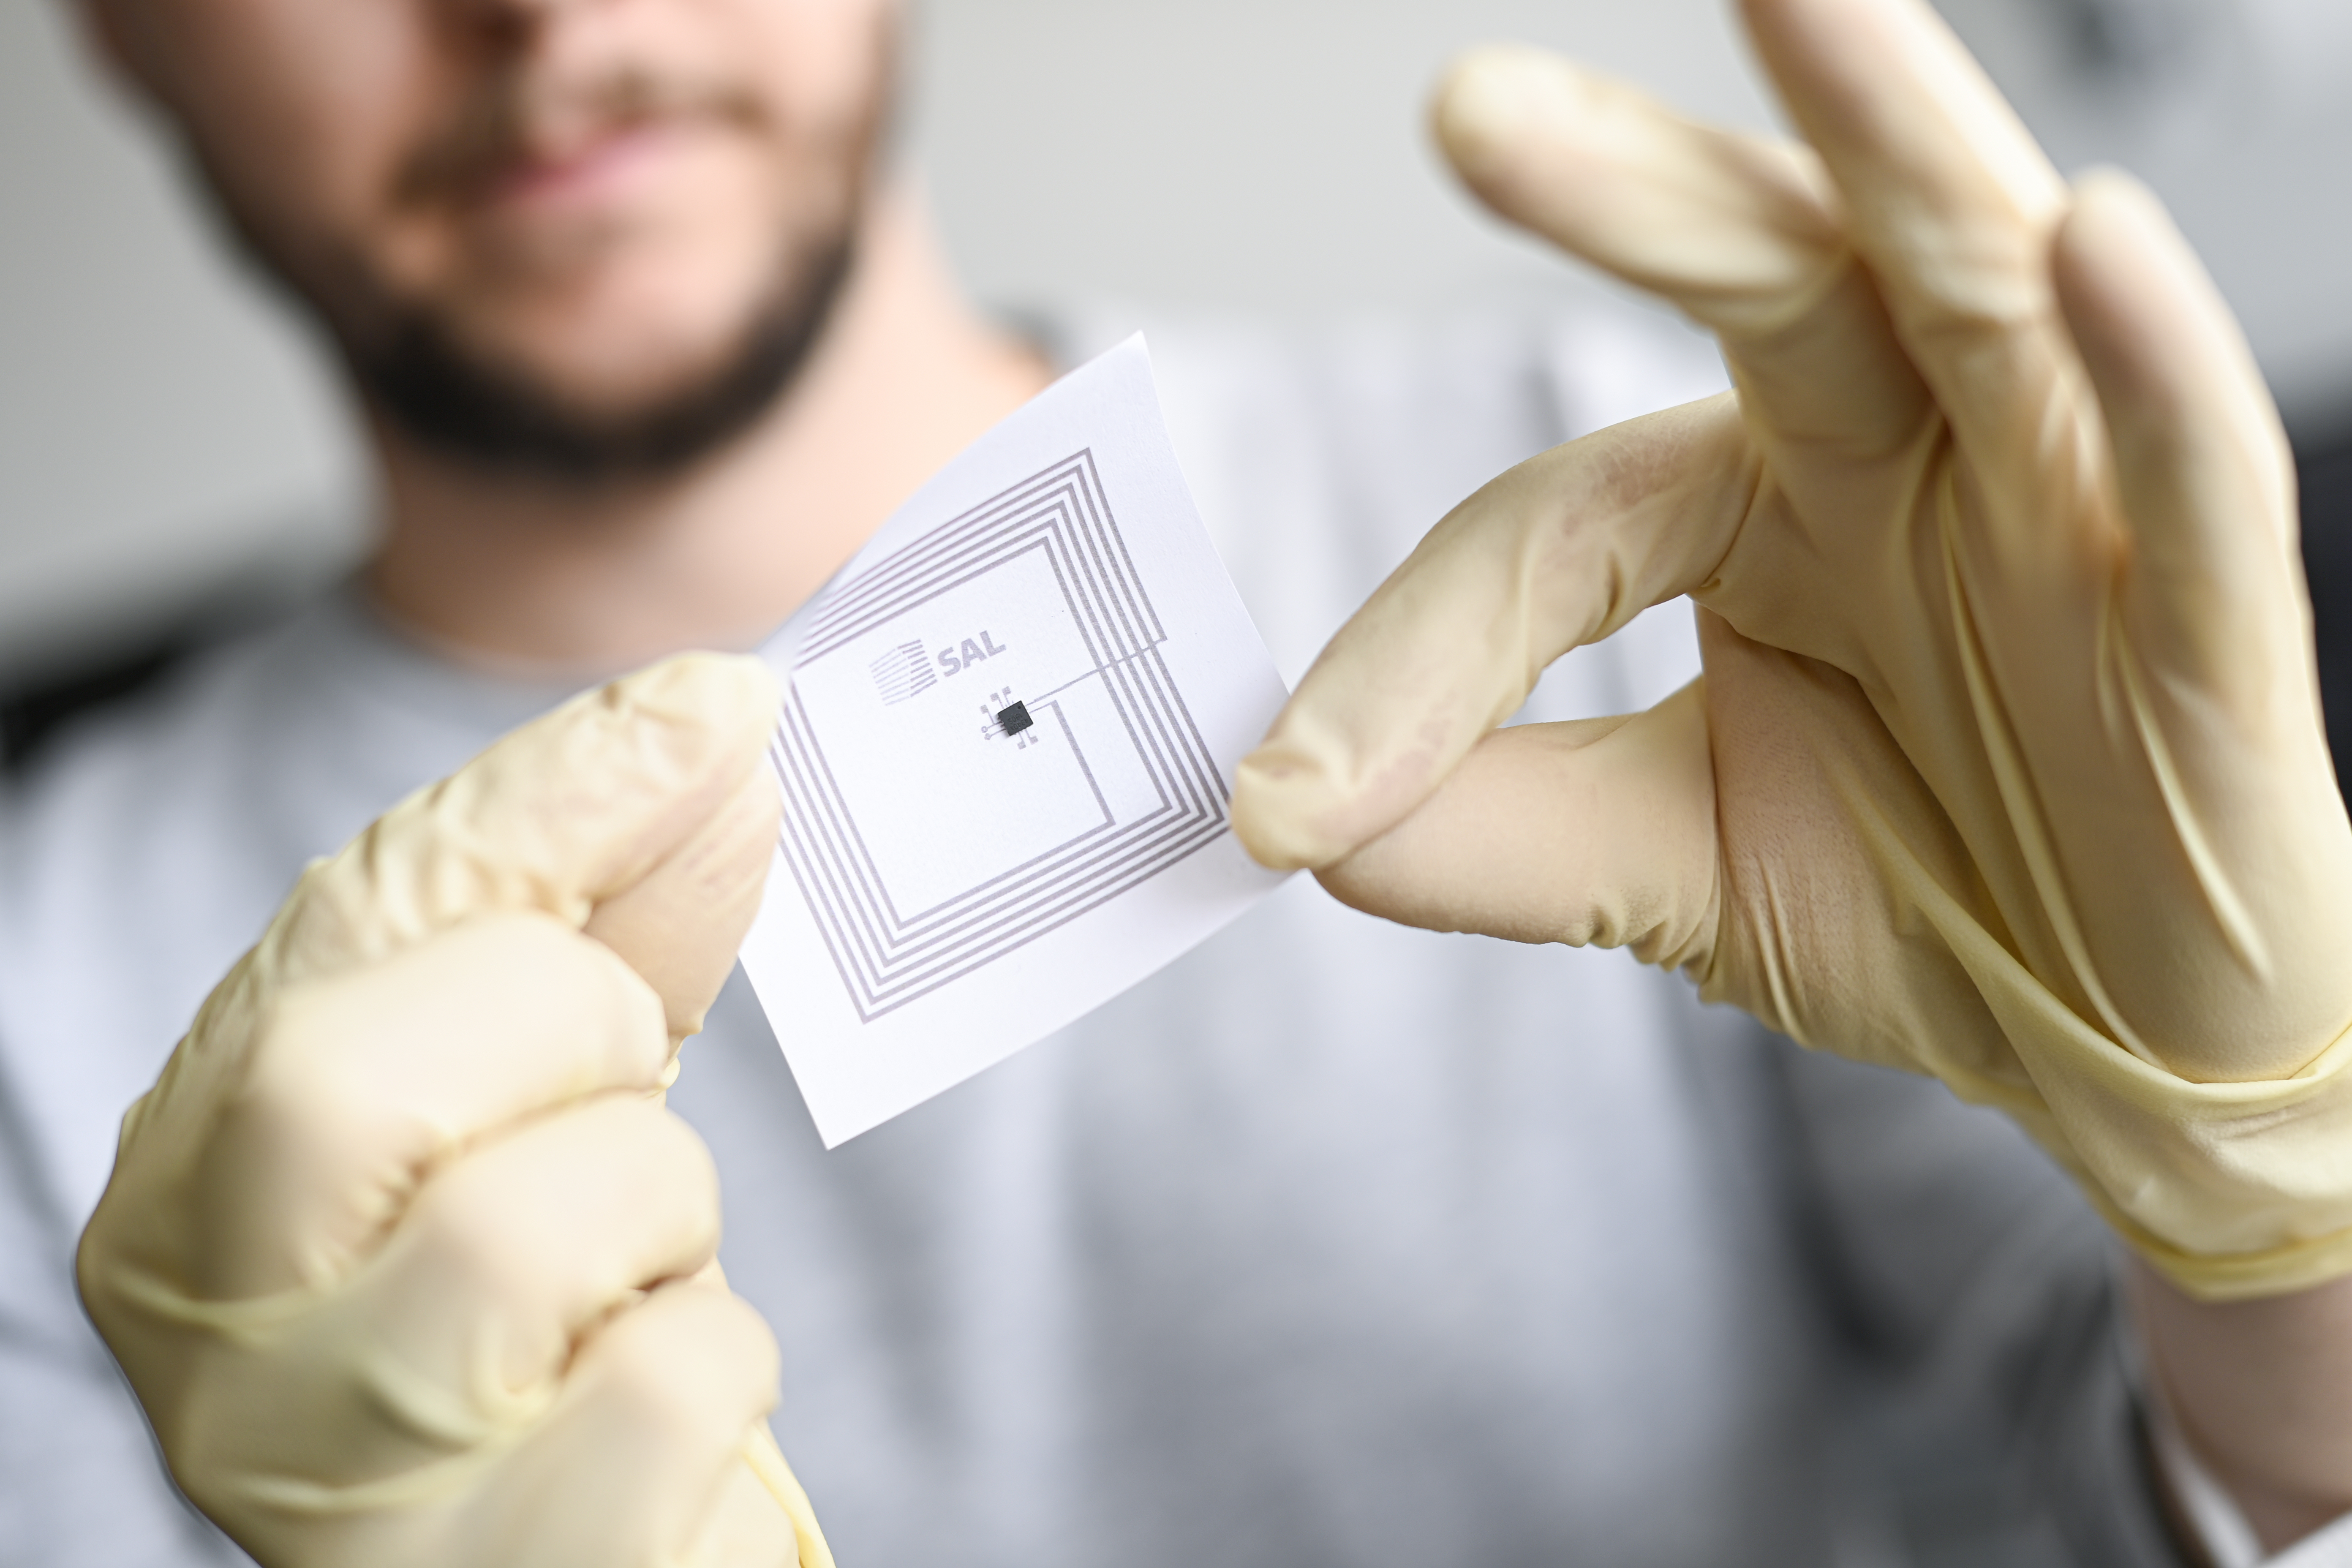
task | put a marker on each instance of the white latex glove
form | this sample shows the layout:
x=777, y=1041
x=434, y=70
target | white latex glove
x=2007, y=764
x=402, y=1253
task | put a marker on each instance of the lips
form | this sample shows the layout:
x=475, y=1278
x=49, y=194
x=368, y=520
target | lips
x=591, y=171
x=521, y=142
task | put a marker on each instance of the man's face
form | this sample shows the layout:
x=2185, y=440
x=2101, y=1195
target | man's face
x=574, y=224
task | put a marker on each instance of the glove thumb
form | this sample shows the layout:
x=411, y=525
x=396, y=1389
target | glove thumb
x=638, y=812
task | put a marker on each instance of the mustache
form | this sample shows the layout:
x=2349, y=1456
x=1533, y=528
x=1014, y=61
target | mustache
x=516, y=117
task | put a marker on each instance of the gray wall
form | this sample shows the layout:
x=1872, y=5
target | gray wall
x=164, y=425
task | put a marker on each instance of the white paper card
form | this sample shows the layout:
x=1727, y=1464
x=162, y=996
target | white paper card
x=1006, y=754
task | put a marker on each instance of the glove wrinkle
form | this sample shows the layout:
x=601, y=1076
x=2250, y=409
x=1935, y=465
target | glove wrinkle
x=395, y=1250
x=2010, y=731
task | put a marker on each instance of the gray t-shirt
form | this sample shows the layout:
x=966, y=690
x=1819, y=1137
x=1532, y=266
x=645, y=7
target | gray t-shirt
x=1334, y=1243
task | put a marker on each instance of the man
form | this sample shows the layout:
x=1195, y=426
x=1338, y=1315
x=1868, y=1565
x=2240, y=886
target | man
x=1334, y=1243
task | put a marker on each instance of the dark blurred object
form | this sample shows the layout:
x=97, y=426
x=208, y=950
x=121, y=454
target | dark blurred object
x=38, y=699
x=2124, y=38
x=2324, y=468
x=28, y=716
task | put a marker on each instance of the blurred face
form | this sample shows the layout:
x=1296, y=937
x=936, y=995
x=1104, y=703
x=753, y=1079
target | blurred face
x=581, y=236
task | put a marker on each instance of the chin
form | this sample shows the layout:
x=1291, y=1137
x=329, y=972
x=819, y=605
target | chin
x=638, y=352
x=621, y=350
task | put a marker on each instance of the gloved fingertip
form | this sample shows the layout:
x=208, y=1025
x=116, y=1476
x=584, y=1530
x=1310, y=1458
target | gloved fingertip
x=2116, y=235
x=1278, y=800
x=2168, y=360
x=694, y=715
x=2108, y=182
x=1491, y=100
x=732, y=693
x=2113, y=207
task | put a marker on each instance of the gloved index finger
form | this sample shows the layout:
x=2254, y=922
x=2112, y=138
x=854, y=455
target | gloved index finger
x=1559, y=551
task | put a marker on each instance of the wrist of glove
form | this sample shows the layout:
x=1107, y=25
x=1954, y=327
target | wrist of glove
x=401, y=1254
x=2007, y=763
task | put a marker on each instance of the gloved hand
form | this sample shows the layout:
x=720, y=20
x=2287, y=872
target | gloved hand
x=402, y=1253
x=2007, y=763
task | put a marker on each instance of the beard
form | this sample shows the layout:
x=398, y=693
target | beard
x=461, y=404
x=422, y=375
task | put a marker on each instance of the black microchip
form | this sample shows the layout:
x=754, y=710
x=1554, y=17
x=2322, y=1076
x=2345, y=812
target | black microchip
x=1015, y=720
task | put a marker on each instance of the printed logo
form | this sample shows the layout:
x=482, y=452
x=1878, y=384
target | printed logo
x=902, y=672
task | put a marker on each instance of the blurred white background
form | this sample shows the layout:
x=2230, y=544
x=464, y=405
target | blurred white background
x=167, y=431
